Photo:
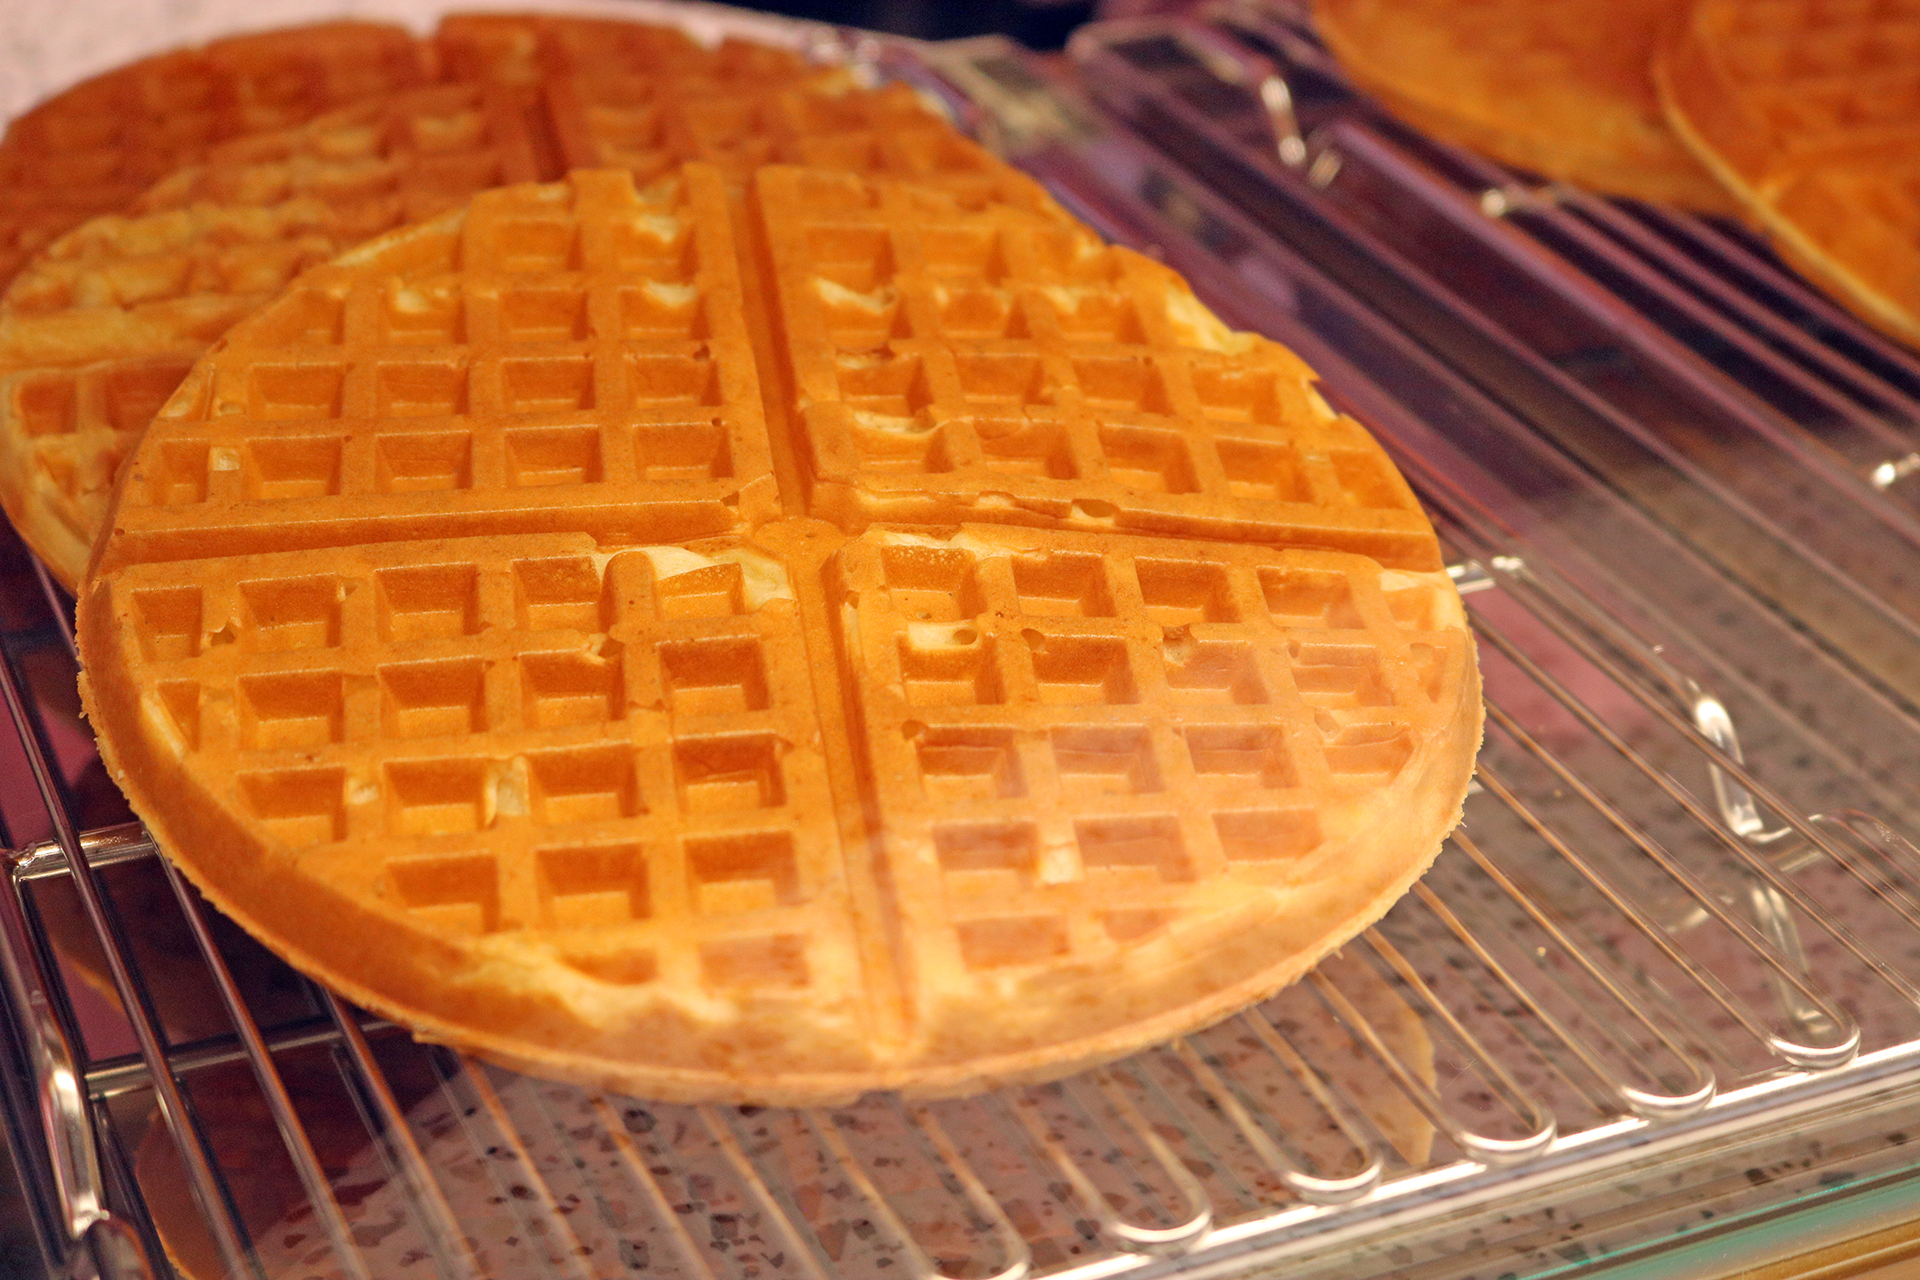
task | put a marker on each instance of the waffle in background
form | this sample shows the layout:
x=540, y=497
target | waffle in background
x=581, y=786
x=100, y=327
x=1811, y=116
x=1559, y=87
x=96, y=146
x=995, y=364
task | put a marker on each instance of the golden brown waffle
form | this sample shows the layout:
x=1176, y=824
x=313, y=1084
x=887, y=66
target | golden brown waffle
x=99, y=329
x=1559, y=87
x=575, y=347
x=958, y=364
x=96, y=146
x=1810, y=114
x=602, y=763
x=101, y=326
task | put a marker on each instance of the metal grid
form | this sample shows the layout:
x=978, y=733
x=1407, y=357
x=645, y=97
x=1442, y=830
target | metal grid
x=1660, y=954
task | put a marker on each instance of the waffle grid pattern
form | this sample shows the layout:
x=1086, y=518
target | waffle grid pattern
x=1005, y=366
x=1080, y=726
x=214, y=241
x=618, y=736
x=598, y=356
x=121, y=297
x=911, y=790
x=97, y=146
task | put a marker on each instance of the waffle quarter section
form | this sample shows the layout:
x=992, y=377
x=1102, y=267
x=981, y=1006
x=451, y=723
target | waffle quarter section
x=565, y=806
x=1174, y=769
x=570, y=356
x=950, y=364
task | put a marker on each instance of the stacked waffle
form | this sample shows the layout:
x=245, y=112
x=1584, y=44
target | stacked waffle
x=716, y=627
x=1800, y=117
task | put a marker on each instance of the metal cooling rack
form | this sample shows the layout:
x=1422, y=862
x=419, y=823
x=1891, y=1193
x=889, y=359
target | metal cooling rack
x=1664, y=984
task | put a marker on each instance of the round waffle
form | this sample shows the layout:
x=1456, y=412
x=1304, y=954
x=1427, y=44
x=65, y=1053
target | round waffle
x=1809, y=116
x=1560, y=88
x=520, y=625
x=101, y=326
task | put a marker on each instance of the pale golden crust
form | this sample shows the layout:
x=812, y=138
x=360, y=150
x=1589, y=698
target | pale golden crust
x=1809, y=119
x=1559, y=88
x=589, y=787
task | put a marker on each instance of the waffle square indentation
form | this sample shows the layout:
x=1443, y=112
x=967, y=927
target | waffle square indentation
x=437, y=797
x=422, y=390
x=543, y=315
x=539, y=457
x=428, y=603
x=561, y=594
x=179, y=475
x=425, y=316
x=293, y=467
x=1313, y=598
x=931, y=584
x=297, y=391
x=299, y=807
x=856, y=258
x=553, y=384
x=1338, y=676
x=1253, y=754
x=1262, y=470
x=1179, y=592
x=285, y=614
x=572, y=688
x=1126, y=846
x=716, y=775
x=1148, y=460
x=168, y=622
x=432, y=699
x=662, y=311
x=423, y=462
x=457, y=894
x=289, y=710
x=1025, y=447
x=713, y=677
x=742, y=872
x=1062, y=585
x=535, y=245
x=1081, y=669
x=943, y=664
x=595, y=886
x=587, y=784
x=964, y=764
x=1116, y=761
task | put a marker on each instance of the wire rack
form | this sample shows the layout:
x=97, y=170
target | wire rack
x=1664, y=982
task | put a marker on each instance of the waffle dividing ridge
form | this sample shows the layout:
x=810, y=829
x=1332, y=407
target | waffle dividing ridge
x=1808, y=114
x=644, y=773
x=123, y=297
x=1560, y=88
